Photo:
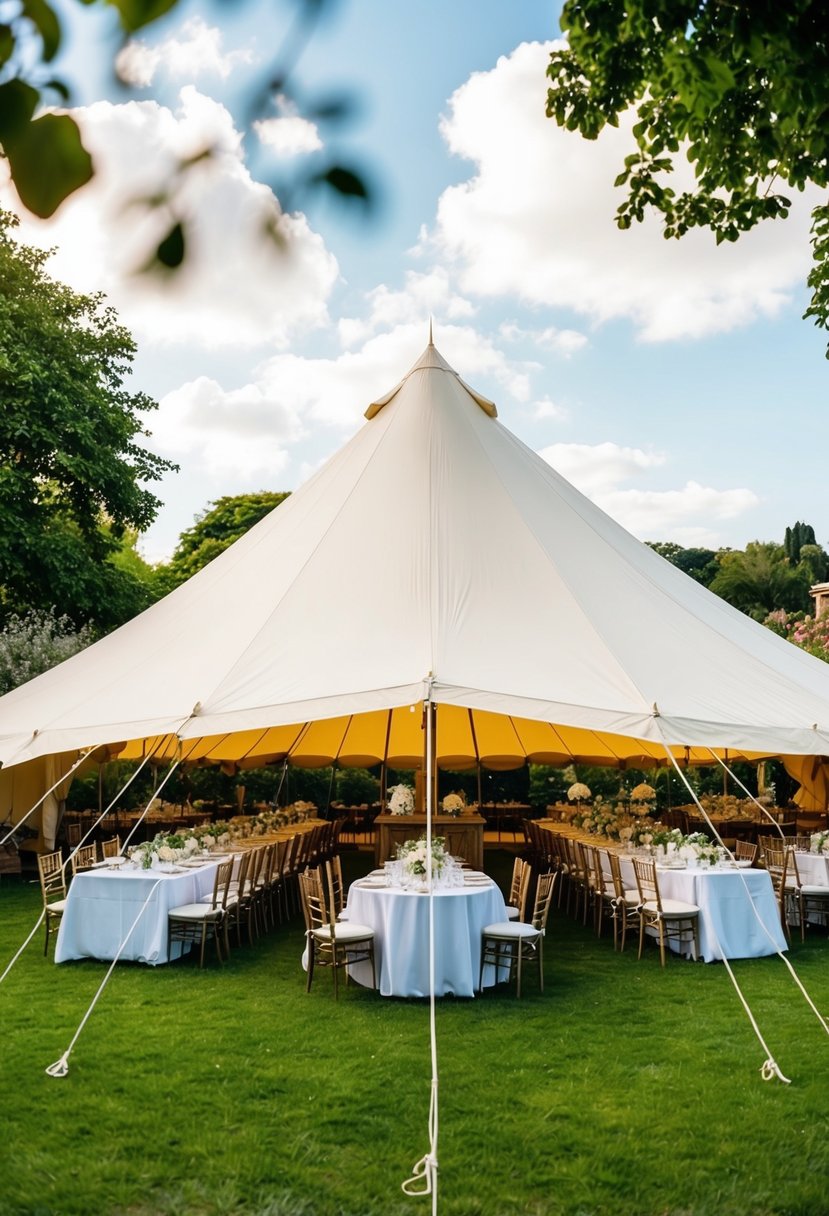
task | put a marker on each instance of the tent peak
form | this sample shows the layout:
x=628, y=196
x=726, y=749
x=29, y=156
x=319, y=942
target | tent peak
x=432, y=360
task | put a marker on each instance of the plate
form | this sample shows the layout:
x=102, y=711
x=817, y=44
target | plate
x=370, y=882
x=110, y=863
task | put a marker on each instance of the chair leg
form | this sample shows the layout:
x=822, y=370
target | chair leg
x=518, y=981
x=661, y=943
x=311, y=953
x=541, y=964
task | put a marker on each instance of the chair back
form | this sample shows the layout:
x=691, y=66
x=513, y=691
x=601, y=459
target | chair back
x=221, y=884
x=52, y=876
x=336, y=831
x=616, y=877
x=517, y=883
x=111, y=848
x=257, y=857
x=603, y=858
x=792, y=873
x=647, y=882
x=280, y=859
x=543, y=898
x=243, y=873
x=72, y=833
x=803, y=843
x=777, y=857
x=593, y=868
x=336, y=886
x=745, y=851
x=314, y=904
x=83, y=858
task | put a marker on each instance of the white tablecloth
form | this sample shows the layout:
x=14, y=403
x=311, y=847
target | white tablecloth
x=400, y=920
x=813, y=869
x=102, y=905
x=728, y=924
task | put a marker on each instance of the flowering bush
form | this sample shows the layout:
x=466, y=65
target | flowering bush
x=33, y=643
x=807, y=632
x=401, y=800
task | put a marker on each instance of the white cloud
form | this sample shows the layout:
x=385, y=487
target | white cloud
x=547, y=409
x=685, y=515
x=563, y=342
x=288, y=136
x=536, y=222
x=238, y=288
x=668, y=514
x=597, y=468
x=243, y=432
x=423, y=296
x=196, y=52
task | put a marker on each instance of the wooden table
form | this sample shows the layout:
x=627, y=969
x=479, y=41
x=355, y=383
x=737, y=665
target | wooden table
x=464, y=835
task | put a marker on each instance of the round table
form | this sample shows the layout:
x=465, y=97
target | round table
x=400, y=920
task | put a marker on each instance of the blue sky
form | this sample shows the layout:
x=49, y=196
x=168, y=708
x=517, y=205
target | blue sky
x=673, y=382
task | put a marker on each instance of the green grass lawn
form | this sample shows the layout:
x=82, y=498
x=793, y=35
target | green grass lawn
x=623, y=1090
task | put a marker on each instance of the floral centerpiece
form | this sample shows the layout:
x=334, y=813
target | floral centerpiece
x=414, y=854
x=578, y=792
x=454, y=804
x=401, y=800
x=642, y=799
x=819, y=842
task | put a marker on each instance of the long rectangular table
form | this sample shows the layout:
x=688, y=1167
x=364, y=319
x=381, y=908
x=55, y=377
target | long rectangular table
x=103, y=904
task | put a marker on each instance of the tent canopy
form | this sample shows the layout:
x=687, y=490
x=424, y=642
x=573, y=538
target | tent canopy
x=436, y=556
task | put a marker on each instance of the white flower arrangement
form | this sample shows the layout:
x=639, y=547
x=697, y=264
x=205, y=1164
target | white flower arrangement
x=401, y=800
x=454, y=804
x=578, y=792
x=819, y=842
x=415, y=856
x=642, y=793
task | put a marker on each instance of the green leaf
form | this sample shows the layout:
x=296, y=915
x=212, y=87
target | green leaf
x=59, y=87
x=44, y=18
x=6, y=43
x=345, y=182
x=17, y=105
x=137, y=13
x=170, y=252
x=48, y=162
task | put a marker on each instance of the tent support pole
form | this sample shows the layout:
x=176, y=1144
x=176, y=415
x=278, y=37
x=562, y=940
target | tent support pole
x=424, y=1178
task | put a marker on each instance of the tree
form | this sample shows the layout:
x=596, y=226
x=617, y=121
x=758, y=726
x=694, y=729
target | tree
x=741, y=88
x=223, y=523
x=761, y=580
x=31, y=37
x=699, y=564
x=71, y=466
x=795, y=538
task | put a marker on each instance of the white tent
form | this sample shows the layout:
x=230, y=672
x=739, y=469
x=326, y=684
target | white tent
x=433, y=554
